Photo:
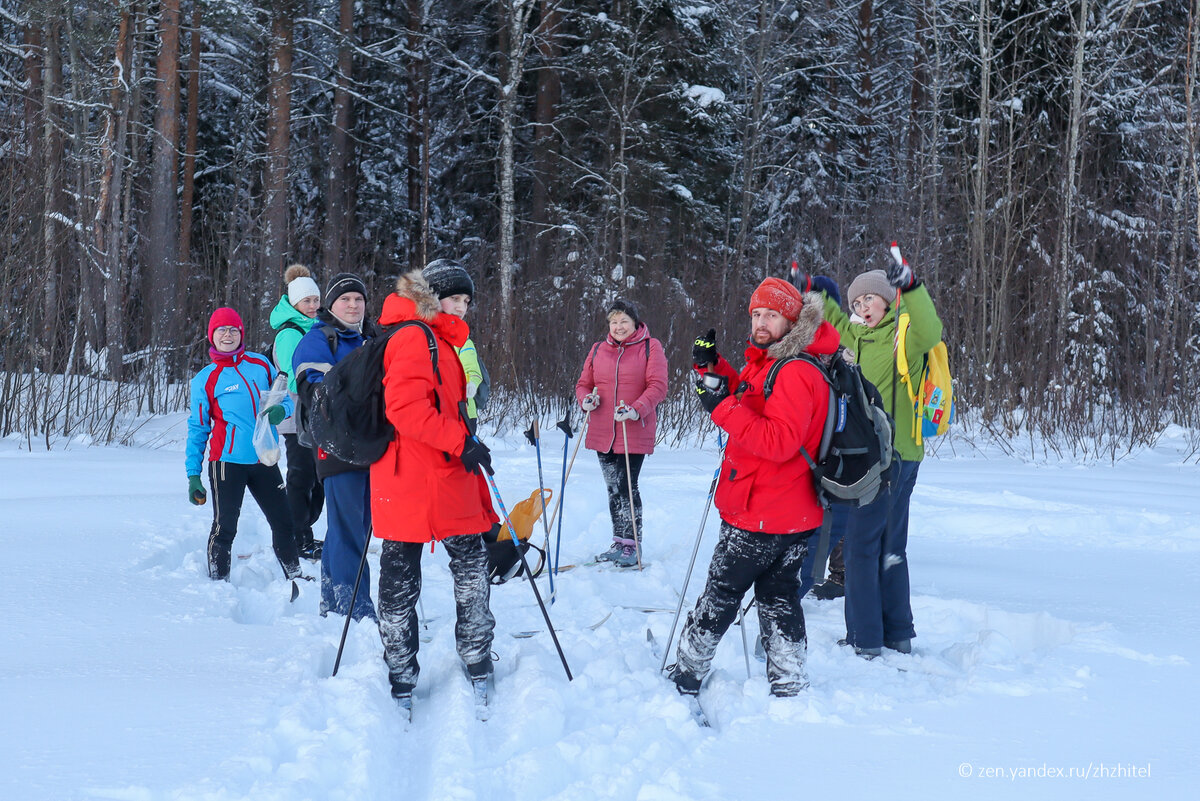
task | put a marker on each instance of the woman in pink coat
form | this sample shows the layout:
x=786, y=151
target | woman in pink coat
x=624, y=379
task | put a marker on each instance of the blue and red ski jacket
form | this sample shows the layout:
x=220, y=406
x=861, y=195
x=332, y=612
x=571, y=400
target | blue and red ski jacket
x=225, y=400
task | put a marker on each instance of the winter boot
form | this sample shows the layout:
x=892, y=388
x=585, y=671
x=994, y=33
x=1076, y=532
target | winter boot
x=612, y=553
x=312, y=550
x=828, y=590
x=628, y=557
x=865, y=653
x=686, y=683
x=903, y=646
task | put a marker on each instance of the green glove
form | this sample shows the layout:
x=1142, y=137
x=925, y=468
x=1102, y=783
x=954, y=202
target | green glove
x=196, y=493
x=275, y=414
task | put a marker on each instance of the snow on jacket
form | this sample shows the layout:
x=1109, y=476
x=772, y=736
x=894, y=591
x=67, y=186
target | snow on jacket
x=420, y=490
x=291, y=325
x=633, y=371
x=875, y=354
x=311, y=360
x=225, y=398
x=765, y=483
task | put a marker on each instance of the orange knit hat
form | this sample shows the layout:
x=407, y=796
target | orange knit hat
x=780, y=295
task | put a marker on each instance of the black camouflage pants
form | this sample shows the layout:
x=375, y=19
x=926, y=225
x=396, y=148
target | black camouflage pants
x=399, y=588
x=770, y=563
x=618, y=482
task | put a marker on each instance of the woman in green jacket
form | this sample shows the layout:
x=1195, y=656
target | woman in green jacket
x=878, y=608
x=292, y=318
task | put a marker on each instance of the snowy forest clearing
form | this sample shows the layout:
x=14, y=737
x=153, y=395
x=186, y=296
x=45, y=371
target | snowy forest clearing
x=1056, y=613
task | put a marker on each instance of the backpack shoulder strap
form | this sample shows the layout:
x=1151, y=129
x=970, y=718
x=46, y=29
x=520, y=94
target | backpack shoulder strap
x=331, y=336
x=430, y=340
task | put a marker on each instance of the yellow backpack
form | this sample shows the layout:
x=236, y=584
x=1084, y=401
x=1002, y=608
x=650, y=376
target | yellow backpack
x=933, y=396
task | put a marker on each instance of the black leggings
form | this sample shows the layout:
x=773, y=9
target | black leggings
x=305, y=493
x=612, y=465
x=229, y=482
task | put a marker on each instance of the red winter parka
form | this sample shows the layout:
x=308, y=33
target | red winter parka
x=633, y=371
x=765, y=483
x=420, y=490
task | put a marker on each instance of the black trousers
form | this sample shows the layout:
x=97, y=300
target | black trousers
x=618, y=482
x=770, y=563
x=305, y=492
x=229, y=482
x=399, y=588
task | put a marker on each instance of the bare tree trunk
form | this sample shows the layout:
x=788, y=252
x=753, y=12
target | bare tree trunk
x=162, y=247
x=549, y=94
x=865, y=87
x=108, y=230
x=415, y=137
x=337, y=217
x=52, y=152
x=193, y=123
x=978, y=251
x=279, y=116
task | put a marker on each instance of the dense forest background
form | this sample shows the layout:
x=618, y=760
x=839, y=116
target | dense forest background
x=1037, y=159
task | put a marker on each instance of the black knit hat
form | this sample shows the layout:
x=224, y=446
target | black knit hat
x=624, y=307
x=341, y=284
x=447, y=277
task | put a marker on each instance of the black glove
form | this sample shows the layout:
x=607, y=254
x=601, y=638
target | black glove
x=476, y=456
x=704, y=349
x=900, y=275
x=712, y=389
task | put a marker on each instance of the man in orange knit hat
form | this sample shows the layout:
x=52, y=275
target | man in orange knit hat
x=765, y=494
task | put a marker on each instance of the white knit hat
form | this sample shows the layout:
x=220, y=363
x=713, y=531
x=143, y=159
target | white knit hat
x=301, y=288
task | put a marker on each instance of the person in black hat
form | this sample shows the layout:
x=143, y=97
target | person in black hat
x=456, y=292
x=341, y=327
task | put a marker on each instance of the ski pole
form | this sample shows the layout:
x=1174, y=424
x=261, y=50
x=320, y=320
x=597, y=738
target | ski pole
x=558, y=506
x=362, y=563
x=637, y=542
x=712, y=490
x=535, y=439
x=745, y=645
x=564, y=425
x=489, y=474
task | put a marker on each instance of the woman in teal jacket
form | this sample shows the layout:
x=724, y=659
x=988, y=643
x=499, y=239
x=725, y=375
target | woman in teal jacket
x=225, y=401
x=878, y=608
x=293, y=317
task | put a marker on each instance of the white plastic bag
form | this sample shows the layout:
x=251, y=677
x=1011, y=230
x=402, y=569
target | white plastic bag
x=266, y=438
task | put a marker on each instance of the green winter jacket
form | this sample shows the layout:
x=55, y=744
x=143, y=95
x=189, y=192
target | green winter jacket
x=875, y=352
x=288, y=337
x=470, y=362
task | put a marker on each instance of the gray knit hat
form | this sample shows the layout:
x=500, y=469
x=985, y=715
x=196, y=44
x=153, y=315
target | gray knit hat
x=872, y=282
x=447, y=277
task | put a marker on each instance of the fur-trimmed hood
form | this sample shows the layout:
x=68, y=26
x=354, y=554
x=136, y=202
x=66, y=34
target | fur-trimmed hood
x=412, y=285
x=810, y=332
x=415, y=300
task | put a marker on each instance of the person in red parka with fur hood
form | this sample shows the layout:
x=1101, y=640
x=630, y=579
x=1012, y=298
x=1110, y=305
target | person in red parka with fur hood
x=765, y=495
x=429, y=487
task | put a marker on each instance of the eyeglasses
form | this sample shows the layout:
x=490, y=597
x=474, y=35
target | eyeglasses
x=226, y=330
x=860, y=305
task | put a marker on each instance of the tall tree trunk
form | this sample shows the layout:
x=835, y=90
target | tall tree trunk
x=415, y=137
x=193, y=123
x=52, y=152
x=162, y=246
x=337, y=217
x=864, y=114
x=108, y=230
x=279, y=116
x=549, y=94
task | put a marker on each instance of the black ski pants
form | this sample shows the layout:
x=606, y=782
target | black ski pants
x=770, y=563
x=229, y=482
x=399, y=589
x=305, y=492
x=618, y=482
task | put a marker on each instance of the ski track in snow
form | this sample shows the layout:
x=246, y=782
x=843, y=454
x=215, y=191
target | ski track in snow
x=141, y=679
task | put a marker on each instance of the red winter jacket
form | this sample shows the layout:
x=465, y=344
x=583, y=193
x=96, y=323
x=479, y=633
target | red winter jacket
x=634, y=371
x=765, y=483
x=420, y=490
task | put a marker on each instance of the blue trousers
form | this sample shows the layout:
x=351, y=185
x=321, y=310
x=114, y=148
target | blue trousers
x=878, y=608
x=348, y=528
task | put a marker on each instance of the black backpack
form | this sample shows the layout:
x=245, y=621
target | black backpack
x=346, y=417
x=856, y=446
x=269, y=350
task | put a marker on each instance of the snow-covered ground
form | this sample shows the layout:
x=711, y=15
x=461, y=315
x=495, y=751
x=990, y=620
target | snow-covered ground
x=1056, y=610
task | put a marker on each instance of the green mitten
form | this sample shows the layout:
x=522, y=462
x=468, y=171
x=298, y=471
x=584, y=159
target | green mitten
x=196, y=493
x=275, y=414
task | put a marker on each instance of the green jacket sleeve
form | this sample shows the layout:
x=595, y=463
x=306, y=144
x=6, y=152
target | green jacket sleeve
x=924, y=327
x=470, y=362
x=285, y=345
